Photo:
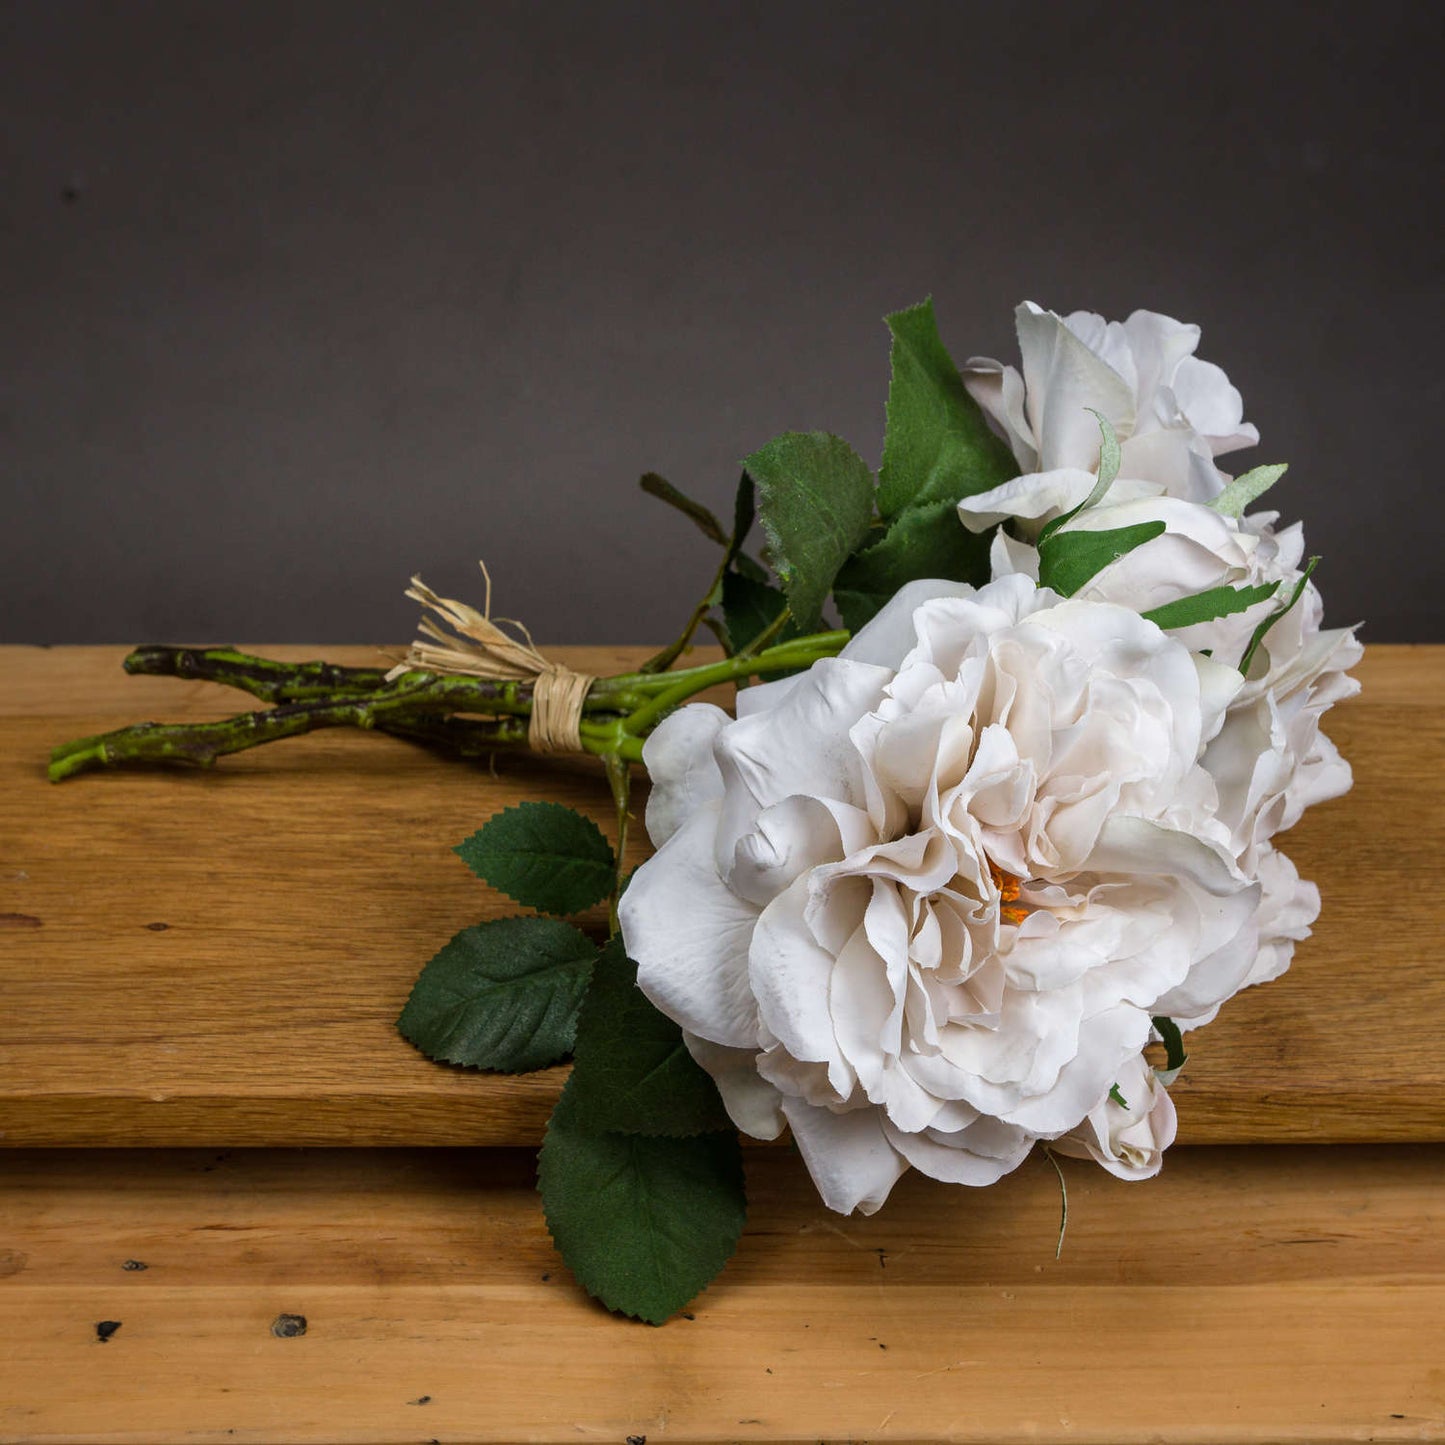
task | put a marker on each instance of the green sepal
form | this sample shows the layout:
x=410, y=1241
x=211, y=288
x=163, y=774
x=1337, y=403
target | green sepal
x=1067, y=560
x=815, y=501
x=644, y=1223
x=924, y=541
x=1209, y=605
x=502, y=995
x=1249, y=487
x=1110, y=455
x=631, y=1071
x=937, y=446
x=1262, y=630
x=1174, y=1056
x=695, y=512
x=545, y=855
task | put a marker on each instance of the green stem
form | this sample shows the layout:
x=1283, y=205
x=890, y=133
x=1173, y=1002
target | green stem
x=790, y=656
x=417, y=705
x=200, y=744
x=262, y=677
x=663, y=660
x=619, y=779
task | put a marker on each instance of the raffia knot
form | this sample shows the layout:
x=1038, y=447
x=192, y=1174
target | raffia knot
x=475, y=646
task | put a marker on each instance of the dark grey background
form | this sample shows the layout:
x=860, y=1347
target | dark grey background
x=301, y=298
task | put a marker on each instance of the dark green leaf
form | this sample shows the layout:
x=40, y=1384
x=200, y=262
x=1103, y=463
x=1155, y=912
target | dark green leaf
x=1067, y=560
x=745, y=509
x=502, y=995
x=695, y=512
x=643, y=1223
x=926, y=541
x=632, y=1073
x=1117, y=1097
x=937, y=446
x=753, y=571
x=1262, y=630
x=1206, y=606
x=1174, y=1056
x=1248, y=488
x=545, y=855
x=749, y=609
x=815, y=501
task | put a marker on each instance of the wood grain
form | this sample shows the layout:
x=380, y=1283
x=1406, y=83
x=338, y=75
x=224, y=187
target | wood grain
x=1280, y=1295
x=218, y=957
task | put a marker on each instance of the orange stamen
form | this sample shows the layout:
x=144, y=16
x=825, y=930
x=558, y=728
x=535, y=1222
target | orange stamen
x=1010, y=909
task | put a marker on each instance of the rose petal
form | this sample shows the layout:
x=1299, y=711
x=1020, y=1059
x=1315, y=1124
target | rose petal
x=679, y=761
x=753, y=1104
x=689, y=934
x=850, y=1159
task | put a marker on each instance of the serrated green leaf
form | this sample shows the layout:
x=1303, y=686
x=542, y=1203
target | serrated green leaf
x=815, y=501
x=545, y=855
x=1248, y=488
x=643, y=1223
x=632, y=1073
x=1262, y=630
x=502, y=995
x=925, y=541
x=1067, y=560
x=937, y=446
x=695, y=512
x=1208, y=605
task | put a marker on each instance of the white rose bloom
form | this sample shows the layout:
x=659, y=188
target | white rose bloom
x=921, y=901
x=1172, y=412
x=1128, y=1139
x=1270, y=759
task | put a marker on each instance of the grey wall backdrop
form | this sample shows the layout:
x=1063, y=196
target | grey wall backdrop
x=301, y=298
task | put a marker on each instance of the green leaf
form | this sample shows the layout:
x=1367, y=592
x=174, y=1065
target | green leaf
x=643, y=1223
x=815, y=501
x=937, y=446
x=1067, y=560
x=545, y=855
x=1248, y=488
x=1262, y=630
x=1110, y=455
x=745, y=509
x=1206, y=606
x=926, y=541
x=631, y=1072
x=1174, y=1056
x=1117, y=1097
x=749, y=608
x=695, y=512
x=502, y=995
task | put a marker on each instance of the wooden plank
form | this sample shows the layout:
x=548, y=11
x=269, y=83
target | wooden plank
x=1281, y=1295
x=301, y=887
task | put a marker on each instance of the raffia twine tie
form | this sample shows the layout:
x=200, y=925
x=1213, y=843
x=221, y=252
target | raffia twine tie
x=475, y=646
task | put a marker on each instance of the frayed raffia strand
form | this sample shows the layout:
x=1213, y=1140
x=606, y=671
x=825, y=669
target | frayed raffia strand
x=477, y=647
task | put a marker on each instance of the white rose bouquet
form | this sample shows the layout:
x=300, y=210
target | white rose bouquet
x=927, y=893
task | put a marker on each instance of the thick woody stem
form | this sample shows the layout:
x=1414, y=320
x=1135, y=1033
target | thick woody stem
x=419, y=706
x=262, y=677
x=415, y=707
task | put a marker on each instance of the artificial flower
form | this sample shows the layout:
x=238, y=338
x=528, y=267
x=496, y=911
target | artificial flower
x=921, y=901
x=1172, y=412
x=1129, y=1129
